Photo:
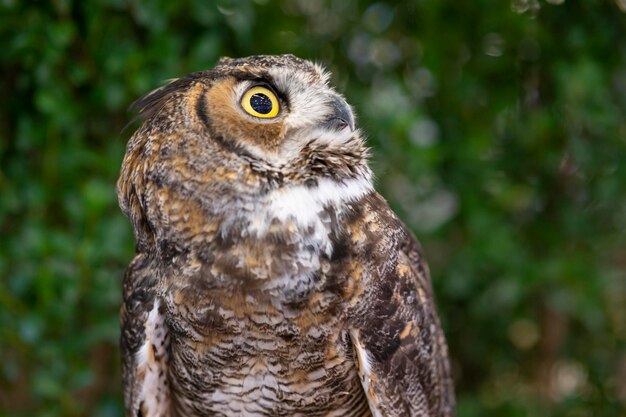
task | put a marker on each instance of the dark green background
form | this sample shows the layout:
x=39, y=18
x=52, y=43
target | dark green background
x=499, y=135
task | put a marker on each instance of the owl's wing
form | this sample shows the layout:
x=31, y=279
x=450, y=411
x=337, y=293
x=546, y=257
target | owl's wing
x=144, y=343
x=396, y=334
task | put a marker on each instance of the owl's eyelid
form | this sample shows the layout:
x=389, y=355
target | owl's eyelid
x=260, y=82
x=264, y=82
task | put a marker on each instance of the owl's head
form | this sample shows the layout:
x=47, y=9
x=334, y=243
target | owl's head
x=269, y=107
x=245, y=127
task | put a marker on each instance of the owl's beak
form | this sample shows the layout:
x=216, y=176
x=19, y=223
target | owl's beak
x=341, y=116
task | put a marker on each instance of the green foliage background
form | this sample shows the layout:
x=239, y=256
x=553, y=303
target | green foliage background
x=499, y=135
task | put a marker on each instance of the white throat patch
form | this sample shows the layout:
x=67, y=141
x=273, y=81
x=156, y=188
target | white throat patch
x=303, y=204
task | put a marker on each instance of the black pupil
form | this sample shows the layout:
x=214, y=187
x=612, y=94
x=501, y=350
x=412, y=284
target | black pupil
x=261, y=103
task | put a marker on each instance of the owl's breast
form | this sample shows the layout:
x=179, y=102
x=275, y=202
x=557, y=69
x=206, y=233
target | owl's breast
x=273, y=344
x=244, y=354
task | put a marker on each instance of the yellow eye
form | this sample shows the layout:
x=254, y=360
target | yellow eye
x=260, y=102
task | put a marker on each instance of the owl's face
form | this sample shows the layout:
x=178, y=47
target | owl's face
x=222, y=141
x=274, y=106
x=267, y=106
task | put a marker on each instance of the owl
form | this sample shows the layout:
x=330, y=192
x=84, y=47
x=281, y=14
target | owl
x=269, y=279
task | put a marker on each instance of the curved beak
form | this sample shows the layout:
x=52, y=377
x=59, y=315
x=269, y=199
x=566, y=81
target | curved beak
x=341, y=115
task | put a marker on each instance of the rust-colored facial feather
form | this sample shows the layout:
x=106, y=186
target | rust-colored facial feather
x=223, y=112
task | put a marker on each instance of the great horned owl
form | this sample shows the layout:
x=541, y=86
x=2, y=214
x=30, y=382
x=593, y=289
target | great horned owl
x=270, y=279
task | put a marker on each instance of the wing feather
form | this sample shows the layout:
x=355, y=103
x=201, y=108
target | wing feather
x=144, y=344
x=396, y=333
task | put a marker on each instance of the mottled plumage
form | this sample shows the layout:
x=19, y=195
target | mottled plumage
x=270, y=278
